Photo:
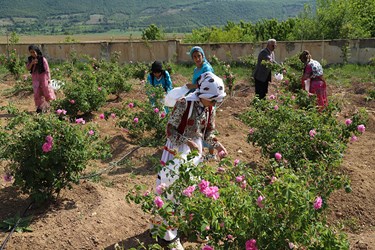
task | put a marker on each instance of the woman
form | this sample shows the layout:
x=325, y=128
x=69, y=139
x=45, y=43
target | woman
x=312, y=79
x=38, y=66
x=202, y=66
x=159, y=76
x=192, y=121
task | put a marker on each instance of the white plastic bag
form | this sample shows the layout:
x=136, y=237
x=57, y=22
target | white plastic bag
x=279, y=76
x=307, y=85
x=56, y=84
x=174, y=95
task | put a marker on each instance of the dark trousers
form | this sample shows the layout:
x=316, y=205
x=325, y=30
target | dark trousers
x=261, y=88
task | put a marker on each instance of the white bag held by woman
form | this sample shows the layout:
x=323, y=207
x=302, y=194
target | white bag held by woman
x=279, y=76
x=174, y=95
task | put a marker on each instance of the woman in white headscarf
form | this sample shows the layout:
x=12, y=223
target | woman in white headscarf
x=192, y=121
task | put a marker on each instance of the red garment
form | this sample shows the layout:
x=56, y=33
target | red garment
x=318, y=86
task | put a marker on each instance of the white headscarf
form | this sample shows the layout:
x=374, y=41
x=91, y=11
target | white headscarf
x=210, y=87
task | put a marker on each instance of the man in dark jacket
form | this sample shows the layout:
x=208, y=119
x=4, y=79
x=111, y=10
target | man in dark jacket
x=262, y=75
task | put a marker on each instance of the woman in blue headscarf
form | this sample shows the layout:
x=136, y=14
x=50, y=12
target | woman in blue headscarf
x=202, y=66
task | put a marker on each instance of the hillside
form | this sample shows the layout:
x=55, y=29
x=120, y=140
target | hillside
x=88, y=16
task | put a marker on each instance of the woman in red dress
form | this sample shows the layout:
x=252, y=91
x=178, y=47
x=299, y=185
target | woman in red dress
x=312, y=79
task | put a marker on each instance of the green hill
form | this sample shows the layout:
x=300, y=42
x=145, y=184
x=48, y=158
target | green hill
x=89, y=16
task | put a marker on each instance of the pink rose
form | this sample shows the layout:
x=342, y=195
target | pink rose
x=353, y=138
x=113, y=115
x=91, y=132
x=312, y=133
x=102, y=116
x=162, y=114
x=203, y=185
x=131, y=105
x=348, y=122
x=251, y=245
x=259, y=201
x=99, y=89
x=156, y=110
x=47, y=147
x=276, y=107
x=72, y=101
x=49, y=138
x=161, y=188
x=236, y=161
x=272, y=97
x=278, y=156
x=189, y=191
x=251, y=131
x=361, y=128
x=208, y=247
x=158, y=202
x=240, y=178
x=318, y=203
x=136, y=120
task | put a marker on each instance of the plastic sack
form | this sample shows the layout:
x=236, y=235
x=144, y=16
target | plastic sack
x=174, y=95
x=56, y=84
x=279, y=76
x=307, y=85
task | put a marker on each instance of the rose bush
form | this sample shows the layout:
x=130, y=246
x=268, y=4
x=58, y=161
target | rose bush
x=46, y=154
x=231, y=204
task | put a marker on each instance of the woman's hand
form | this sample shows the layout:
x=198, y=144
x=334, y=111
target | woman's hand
x=192, y=145
x=222, y=151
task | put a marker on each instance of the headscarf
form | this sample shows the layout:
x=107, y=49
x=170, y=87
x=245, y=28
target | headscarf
x=210, y=87
x=200, y=50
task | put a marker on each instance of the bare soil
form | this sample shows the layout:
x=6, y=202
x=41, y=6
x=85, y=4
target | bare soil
x=95, y=215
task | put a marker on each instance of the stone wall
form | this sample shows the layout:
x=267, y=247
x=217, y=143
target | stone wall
x=359, y=50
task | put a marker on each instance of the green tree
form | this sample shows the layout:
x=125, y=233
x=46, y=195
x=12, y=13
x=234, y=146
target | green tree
x=152, y=32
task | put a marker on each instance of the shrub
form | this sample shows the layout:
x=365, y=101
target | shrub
x=279, y=125
x=14, y=64
x=47, y=154
x=145, y=121
x=239, y=204
x=82, y=95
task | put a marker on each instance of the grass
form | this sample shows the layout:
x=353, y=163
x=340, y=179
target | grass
x=344, y=75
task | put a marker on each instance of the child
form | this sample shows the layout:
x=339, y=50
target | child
x=38, y=66
x=158, y=76
x=202, y=66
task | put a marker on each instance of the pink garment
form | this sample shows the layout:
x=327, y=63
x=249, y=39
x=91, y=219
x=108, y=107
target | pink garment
x=43, y=92
x=314, y=72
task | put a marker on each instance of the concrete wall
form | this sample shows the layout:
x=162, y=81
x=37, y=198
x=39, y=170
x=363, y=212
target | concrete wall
x=360, y=50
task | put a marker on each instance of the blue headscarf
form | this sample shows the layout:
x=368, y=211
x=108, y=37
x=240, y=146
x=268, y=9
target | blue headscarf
x=200, y=50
